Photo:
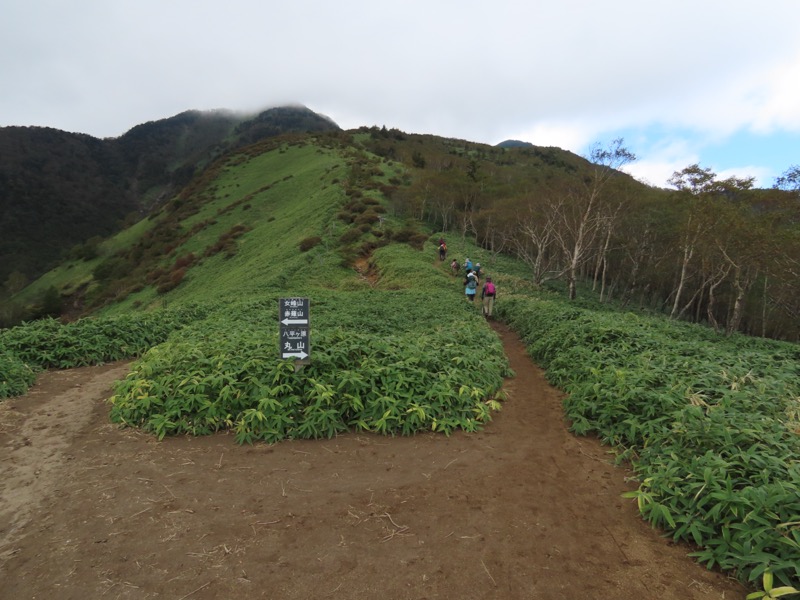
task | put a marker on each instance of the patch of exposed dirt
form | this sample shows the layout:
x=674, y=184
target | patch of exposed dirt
x=366, y=269
x=521, y=510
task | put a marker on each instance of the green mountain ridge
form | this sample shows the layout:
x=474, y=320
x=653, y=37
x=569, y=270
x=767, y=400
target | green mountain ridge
x=59, y=189
x=514, y=144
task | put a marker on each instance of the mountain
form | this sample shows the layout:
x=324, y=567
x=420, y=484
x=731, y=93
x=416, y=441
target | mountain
x=59, y=189
x=514, y=144
x=280, y=120
x=56, y=189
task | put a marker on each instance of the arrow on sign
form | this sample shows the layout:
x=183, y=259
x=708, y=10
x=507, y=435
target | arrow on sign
x=295, y=321
x=301, y=355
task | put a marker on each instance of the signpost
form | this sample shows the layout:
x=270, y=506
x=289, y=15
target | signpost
x=294, y=316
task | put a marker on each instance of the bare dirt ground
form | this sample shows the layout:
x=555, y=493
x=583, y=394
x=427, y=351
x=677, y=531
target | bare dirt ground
x=521, y=510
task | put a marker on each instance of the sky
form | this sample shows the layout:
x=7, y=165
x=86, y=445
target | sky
x=709, y=82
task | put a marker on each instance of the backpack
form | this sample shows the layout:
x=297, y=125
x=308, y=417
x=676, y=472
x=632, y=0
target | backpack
x=471, y=283
x=490, y=289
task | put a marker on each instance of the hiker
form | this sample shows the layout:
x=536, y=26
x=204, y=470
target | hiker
x=488, y=294
x=468, y=264
x=454, y=267
x=470, y=286
x=442, y=251
x=478, y=270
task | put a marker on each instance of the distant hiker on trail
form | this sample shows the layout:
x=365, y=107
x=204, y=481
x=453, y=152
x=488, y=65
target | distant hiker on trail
x=468, y=264
x=442, y=251
x=470, y=286
x=488, y=294
x=478, y=269
x=454, y=267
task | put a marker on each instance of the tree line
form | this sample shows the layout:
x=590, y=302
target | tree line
x=712, y=250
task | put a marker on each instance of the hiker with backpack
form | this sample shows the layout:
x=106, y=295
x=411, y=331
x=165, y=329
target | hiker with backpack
x=471, y=286
x=488, y=293
x=454, y=267
x=442, y=251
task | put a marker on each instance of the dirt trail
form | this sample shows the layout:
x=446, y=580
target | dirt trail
x=520, y=510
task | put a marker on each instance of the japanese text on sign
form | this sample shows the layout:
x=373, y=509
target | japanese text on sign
x=294, y=311
x=294, y=319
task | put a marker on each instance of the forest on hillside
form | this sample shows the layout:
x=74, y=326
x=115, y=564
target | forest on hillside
x=710, y=251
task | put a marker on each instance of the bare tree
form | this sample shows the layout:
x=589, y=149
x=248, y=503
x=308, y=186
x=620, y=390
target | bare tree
x=701, y=191
x=607, y=225
x=535, y=236
x=581, y=216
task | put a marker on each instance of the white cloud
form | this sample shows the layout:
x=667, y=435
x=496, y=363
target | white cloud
x=564, y=74
x=569, y=136
x=763, y=176
x=657, y=162
x=778, y=106
x=761, y=98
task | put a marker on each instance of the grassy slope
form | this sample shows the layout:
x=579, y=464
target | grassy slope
x=72, y=274
x=288, y=196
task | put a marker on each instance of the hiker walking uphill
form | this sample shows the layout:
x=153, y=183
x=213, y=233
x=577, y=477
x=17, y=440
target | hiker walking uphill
x=488, y=294
x=442, y=250
x=454, y=267
x=470, y=286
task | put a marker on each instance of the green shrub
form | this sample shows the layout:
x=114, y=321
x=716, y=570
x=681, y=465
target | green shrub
x=350, y=236
x=310, y=242
x=368, y=372
x=16, y=376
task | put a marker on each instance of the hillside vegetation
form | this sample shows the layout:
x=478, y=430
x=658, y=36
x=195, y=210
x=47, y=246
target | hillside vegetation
x=61, y=192
x=714, y=251
x=708, y=418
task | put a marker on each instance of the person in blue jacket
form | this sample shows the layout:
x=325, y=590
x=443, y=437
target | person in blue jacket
x=471, y=286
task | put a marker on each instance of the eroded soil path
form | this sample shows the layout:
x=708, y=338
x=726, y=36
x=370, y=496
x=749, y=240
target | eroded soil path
x=521, y=510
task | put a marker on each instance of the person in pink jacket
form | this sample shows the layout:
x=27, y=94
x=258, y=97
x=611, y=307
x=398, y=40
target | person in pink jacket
x=488, y=293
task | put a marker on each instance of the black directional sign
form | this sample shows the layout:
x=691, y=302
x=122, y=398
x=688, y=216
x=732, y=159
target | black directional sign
x=294, y=315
